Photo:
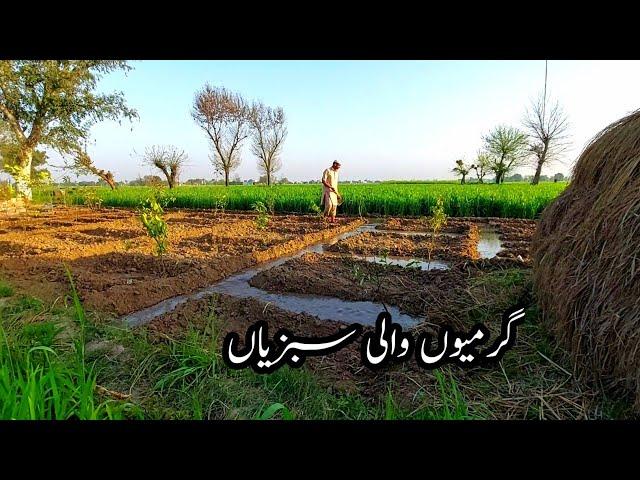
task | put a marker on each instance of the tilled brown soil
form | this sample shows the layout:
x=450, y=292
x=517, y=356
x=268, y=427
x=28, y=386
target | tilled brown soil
x=415, y=246
x=472, y=290
x=441, y=297
x=236, y=315
x=514, y=233
x=453, y=225
x=113, y=261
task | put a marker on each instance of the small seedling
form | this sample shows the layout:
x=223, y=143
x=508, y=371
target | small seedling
x=437, y=220
x=151, y=216
x=315, y=209
x=6, y=191
x=91, y=199
x=270, y=203
x=219, y=205
x=262, y=220
x=376, y=278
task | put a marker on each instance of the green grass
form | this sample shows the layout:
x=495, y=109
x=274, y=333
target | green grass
x=47, y=372
x=451, y=405
x=185, y=378
x=5, y=289
x=43, y=376
x=517, y=200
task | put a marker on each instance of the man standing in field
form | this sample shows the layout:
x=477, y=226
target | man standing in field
x=330, y=191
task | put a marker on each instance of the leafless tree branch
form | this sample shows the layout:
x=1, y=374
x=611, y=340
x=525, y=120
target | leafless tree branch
x=168, y=159
x=269, y=131
x=546, y=127
x=225, y=117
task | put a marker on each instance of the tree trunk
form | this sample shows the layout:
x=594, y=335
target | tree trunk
x=108, y=177
x=167, y=175
x=174, y=177
x=268, y=177
x=536, y=177
x=541, y=160
x=226, y=178
x=23, y=174
x=462, y=181
x=171, y=178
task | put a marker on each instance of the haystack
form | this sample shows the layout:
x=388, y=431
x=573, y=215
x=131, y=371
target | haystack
x=586, y=256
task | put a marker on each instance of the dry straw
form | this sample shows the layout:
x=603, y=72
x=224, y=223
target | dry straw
x=586, y=255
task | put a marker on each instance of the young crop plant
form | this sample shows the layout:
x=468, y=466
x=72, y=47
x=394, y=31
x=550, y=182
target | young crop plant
x=263, y=218
x=508, y=200
x=436, y=222
x=91, y=199
x=152, y=218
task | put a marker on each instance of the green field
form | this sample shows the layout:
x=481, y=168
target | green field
x=516, y=200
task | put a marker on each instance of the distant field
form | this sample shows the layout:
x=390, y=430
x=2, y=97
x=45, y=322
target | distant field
x=517, y=200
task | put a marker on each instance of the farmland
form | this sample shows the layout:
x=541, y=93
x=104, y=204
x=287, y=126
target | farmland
x=149, y=328
x=512, y=200
x=176, y=297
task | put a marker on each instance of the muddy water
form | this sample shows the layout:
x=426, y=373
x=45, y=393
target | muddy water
x=406, y=262
x=326, y=308
x=489, y=244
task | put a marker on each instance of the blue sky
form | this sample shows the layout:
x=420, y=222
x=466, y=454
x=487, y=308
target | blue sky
x=382, y=119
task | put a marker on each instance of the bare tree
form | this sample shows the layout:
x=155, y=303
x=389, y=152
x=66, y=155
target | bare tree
x=508, y=149
x=481, y=165
x=225, y=117
x=461, y=169
x=168, y=159
x=547, y=127
x=268, y=134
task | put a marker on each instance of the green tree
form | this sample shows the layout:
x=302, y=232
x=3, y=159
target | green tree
x=482, y=165
x=462, y=170
x=54, y=103
x=558, y=177
x=9, y=149
x=508, y=149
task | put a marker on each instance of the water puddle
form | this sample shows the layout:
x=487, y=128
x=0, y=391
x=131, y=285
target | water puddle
x=405, y=262
x=419, y=233
x=489, y=244
x=326, y=308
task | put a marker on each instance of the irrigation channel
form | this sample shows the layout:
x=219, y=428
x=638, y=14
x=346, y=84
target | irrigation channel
x=325, y=308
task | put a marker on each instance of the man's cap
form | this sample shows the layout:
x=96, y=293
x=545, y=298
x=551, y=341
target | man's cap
x=336, y=162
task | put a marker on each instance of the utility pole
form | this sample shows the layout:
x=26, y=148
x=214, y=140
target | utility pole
x=544, y=98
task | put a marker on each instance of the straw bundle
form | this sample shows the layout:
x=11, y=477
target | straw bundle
x=586, y=257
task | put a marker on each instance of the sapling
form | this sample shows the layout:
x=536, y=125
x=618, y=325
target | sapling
x=151, y=216
x=219, y=205
x=316, y=210
x=91, y=199
x=361, y=276
x=437, y=220
x=262, y=220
